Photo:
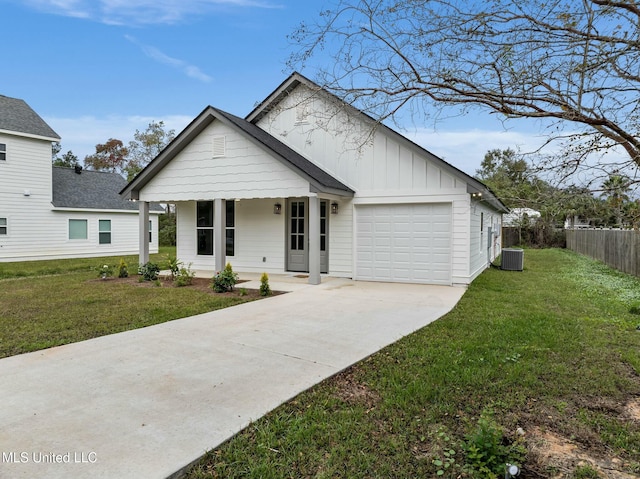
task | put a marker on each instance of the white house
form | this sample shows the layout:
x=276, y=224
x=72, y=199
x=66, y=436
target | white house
x=48, y=212
x=520, y=216
x=308, y=184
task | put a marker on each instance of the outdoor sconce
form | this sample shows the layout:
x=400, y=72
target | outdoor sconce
x=277, y=209
x=334, y=208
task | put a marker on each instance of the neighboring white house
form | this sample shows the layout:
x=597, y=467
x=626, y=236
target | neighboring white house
x=48, y=212
x=520, y=216
x=306, y=183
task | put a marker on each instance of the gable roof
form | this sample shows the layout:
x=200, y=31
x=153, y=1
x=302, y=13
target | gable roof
x=90, y=189
x=295, y=159
x=18, y=117
x=319, y=179
x=296, y=79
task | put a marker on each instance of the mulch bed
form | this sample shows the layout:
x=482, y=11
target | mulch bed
x=201, y=284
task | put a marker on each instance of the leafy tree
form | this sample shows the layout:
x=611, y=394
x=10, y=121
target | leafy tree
x=109, y=156
x=146, y=145
x=68, y=160
x=510, y=177
x=572, y=63
x=616, y=190
x=56, y=148
x=167, y=228
x=580, y=202
x=129, y=161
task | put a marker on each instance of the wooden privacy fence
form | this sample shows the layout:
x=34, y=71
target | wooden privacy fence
x=615, y=248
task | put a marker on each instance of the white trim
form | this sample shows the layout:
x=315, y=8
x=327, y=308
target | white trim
x=29, y=135
x=95, y=210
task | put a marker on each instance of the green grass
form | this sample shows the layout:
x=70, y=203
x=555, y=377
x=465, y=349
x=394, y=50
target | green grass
x=49, y=303
x=553, y=347
x=20, y=269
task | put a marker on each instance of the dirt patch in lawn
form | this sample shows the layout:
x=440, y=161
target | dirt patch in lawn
x=557, y=450
x=352, y=391
x=200, y=284
x=555, y=456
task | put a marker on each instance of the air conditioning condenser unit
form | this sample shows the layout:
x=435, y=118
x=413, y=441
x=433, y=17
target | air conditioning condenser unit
x=512, y=259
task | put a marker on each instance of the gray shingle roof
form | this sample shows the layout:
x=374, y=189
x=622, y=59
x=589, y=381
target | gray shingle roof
x=292, y=159
x=16, y=115
x=91, y=189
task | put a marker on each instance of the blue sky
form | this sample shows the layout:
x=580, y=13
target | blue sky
x=100, y=69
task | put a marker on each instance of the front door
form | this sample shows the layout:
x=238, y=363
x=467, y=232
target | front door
x=298, y=240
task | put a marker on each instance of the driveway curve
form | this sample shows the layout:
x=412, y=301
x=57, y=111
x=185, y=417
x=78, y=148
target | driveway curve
x=147, y=403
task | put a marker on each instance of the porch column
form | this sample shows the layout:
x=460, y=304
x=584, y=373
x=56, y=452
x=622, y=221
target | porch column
x=143, y=233
x=314, y=240
x=219, y=236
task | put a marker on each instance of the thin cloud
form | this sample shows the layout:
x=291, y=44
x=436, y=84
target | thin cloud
x=191, y=71
x=141, y=12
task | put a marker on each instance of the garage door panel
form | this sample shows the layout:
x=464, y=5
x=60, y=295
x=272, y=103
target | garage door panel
x=404, y=243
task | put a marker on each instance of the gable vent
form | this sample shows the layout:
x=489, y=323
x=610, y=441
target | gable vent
x=219, y=145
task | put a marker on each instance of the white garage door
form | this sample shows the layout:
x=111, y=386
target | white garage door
x=404, y=243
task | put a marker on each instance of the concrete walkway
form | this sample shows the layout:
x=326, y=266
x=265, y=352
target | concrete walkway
x=146, y=403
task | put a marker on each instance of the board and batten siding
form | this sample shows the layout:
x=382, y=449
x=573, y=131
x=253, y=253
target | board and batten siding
x=479, y=244
x=244, y=171
x=341, y=239
x=372, y=162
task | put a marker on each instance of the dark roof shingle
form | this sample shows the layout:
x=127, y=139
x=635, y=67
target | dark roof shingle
x=17, y=116
x=91, y=189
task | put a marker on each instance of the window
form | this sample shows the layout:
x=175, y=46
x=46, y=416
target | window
x=104, y=231
x=230, y=230
x=296, y=233
x=3, y=151
x=204, y=226
x=77, y=229
x=3, y=226
x=481, y=231
x=323, y=225
x=150, y=231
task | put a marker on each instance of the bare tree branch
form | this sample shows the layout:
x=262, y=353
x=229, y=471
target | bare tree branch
x=572, y=63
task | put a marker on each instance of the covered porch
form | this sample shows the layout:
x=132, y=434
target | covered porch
x=288, y=237
x=243, y=197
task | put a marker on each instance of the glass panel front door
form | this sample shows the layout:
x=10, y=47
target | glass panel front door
x=297, y=244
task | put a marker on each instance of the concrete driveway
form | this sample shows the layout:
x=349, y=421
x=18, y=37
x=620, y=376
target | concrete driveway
x=146, y=403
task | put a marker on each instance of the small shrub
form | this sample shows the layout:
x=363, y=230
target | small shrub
x=105, y=271
x=243, y=291
x=123, y=269
x=184, y=276
x=635, y=309
x=486, y=452
x=224, y=280
x=265, y=290
x=149, y=271
x=174, y=266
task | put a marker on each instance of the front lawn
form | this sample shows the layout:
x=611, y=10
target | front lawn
x=539, y=368
x=49, y=303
